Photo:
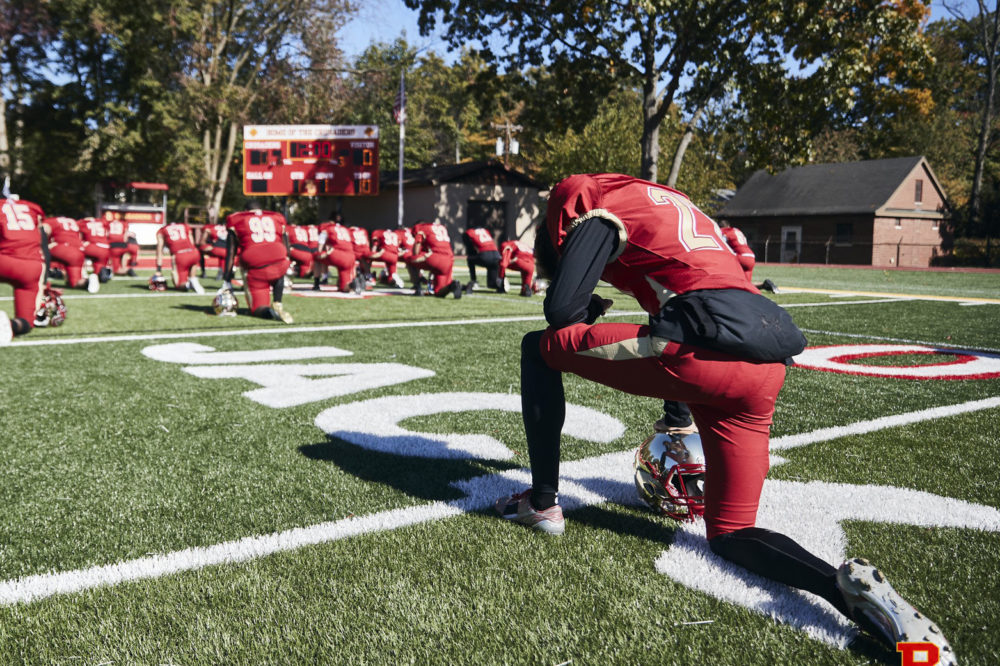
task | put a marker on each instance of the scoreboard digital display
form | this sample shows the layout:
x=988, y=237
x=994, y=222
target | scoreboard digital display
x=310, y=160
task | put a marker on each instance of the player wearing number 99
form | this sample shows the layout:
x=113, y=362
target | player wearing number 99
x=712, y=341
x=263, y=245
x=22, y=264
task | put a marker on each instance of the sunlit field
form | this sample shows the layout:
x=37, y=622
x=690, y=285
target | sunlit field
x=183, y=488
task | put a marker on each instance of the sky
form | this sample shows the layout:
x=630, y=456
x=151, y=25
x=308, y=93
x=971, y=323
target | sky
x=384, y=20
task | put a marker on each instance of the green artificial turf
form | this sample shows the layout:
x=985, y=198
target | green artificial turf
x=111, y=456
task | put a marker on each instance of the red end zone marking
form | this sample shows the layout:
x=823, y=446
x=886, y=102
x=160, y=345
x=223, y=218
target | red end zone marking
x=837, y=358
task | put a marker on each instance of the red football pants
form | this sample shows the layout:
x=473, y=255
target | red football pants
x=72, y=258
x=731, y=400
x=182, y=263
x=440, y=266
x=259, y=281
x=26, y=276
x=343, y=261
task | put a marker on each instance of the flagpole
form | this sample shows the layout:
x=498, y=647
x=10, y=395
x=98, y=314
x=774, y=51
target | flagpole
x=402, y=143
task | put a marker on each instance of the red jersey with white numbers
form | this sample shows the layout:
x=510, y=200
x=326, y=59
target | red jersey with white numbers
x=313, y=231
x=359, y=237
x=386, y=240
x=406, y=239
x=515, y=248
x=215, y=235
x=338, y=237
x=481, y=240
x=298, y=236
x=260, y=236
x=19, y=234
x=177, y=237
x=94, y=231
x=738, y=242
x=117, y=229
x=432, y=237
x=666, y=245
x=64, y=231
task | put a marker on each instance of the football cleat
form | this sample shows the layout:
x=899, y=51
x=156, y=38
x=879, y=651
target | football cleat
x=285, y=317
x=398, y=281
x=670, y=475
x=768, y=285
x=517, y=508
x=883, y=613
x=503, y=286
x=471, y=287
x=456, y=289
x=195, y=285
x=225, y=304
x=93, y=283
x=104, y=275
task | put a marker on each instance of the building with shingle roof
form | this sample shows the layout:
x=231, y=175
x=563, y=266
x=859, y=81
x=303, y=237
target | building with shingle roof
x=889, y=212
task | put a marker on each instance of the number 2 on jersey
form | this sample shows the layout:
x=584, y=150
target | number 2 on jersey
x=687, y=219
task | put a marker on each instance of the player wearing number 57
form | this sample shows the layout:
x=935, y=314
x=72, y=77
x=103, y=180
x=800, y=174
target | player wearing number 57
x=263, y=248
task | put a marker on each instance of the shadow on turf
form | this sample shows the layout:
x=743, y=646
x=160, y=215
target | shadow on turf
x=426, y=478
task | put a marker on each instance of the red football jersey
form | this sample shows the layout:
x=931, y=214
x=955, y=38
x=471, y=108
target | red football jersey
x=738, y=243
x=260, y=236
x=298, y=235
x=359, y=236
x=94, y=231
x=433, y=237
x=666, y=245
x=338, y=237
x=19, y=234
x=481, y=240
x=176, y=236
x=313, y=230
x=117, y=228
x=517, y=248
x=406, y=240
x=64, y=231
x=386, y=241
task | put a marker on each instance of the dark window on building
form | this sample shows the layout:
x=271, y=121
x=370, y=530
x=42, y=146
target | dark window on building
x=844, y=232
x=918, y=191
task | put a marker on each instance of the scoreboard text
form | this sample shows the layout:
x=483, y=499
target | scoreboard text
x=310, y=160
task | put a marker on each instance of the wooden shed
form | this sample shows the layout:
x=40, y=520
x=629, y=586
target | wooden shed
x=888, y=212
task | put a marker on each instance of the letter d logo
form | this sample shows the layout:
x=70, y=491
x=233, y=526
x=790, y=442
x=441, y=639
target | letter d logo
x=919, y=654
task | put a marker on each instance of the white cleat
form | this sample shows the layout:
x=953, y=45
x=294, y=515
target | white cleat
x=93, y=283
x=882, y=612
x=195, y=285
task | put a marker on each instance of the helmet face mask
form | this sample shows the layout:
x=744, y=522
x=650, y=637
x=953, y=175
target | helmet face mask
x=157, y=283
x=670, y=475
x=52, y=311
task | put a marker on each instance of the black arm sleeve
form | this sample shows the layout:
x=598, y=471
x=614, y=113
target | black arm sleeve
x=584, y=257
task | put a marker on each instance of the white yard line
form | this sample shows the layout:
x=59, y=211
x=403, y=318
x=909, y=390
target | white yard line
x=902, y=341
x=32, y=588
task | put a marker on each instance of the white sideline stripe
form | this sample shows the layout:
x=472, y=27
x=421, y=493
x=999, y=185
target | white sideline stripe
x=32, y=588
x=864, y=336
x=833, y=293
x=842, y=303
x=290, y=329
x=862, y=427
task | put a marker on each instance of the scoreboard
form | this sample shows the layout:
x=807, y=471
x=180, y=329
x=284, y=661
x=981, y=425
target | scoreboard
x=310, y=160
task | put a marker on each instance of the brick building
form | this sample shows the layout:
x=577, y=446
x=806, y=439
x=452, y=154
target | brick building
x=876, y=212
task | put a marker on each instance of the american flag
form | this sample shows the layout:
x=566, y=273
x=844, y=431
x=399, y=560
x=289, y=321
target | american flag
x=399, y=108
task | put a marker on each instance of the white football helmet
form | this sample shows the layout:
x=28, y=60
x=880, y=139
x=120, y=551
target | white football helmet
x=670, y=475
x=225, y=303
x=157, y=283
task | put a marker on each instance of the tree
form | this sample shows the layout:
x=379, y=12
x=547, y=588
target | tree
x=677, y=52
x=25, y=26
x=982, y=48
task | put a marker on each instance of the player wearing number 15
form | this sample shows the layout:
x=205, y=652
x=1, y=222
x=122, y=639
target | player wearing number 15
x=263, y=245
x=22, y=264
x=184, y=255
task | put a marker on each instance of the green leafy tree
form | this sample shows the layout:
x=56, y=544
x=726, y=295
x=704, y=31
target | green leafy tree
x=679, y=53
